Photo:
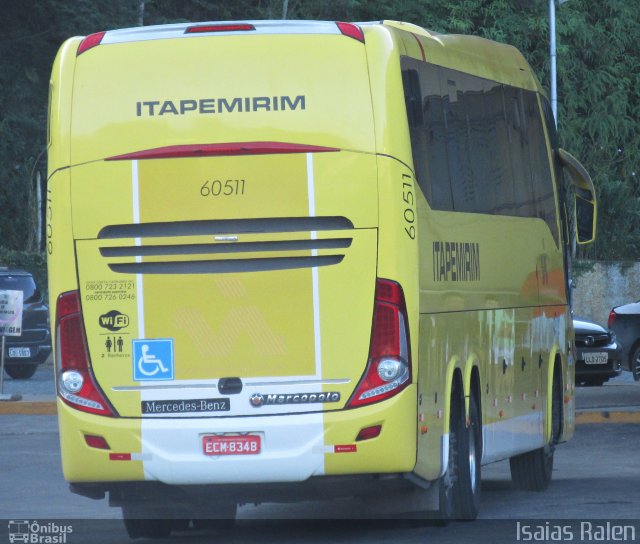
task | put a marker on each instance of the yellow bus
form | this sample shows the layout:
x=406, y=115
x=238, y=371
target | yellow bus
x=295, y=259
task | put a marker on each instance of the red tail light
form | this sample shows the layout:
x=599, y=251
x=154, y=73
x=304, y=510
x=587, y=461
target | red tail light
x=351, y=30
x=90, y=41
x=98, y=442
x=612, y=318
x=389, y=366
x=76, y=385
x=235, y=27
x=369, y=432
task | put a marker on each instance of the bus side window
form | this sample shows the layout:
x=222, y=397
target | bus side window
x=523, y=204
x=419, y=145
x=478, y=146
x=500, y=156
x=438, y=164
x=480, y=140
x=412, y=98
x=540, y=171
x=427, y=131
x=454, y=87
x=438, y=153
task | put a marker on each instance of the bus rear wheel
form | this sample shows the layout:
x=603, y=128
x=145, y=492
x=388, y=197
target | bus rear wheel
x=459, y=488
x=147, y=528
x=634, y=365
x=225, y=518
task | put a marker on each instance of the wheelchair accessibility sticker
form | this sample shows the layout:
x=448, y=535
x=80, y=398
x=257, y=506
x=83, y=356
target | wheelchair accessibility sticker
x=153, y=359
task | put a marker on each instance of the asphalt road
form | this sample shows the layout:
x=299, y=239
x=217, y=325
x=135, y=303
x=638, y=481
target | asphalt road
x=596, y=476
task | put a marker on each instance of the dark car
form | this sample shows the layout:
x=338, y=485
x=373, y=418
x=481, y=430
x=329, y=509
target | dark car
x=597, y=351
x=625, y=322
x=23, y=353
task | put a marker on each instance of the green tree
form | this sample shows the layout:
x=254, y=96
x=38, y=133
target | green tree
x=598, y=78
x=33, y=32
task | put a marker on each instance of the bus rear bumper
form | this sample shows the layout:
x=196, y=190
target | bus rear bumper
x=316, y=488
x=294, y=447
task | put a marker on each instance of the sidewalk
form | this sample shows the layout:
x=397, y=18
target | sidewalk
x=36, y=405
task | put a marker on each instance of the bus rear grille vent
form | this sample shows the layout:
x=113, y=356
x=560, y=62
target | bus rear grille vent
x=226, y=266
x=223, y=248
x=225, y=226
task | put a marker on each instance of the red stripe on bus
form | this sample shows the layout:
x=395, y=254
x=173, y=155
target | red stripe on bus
x=120, y=456
x=345, y=448
x=216, y=150
x=424, y=57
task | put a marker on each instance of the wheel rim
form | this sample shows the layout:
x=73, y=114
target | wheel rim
x=451, y=463
x=636, y=369
x=472, y=459
x=556, y=412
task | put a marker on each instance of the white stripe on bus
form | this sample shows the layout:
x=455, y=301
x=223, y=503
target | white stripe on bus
x=136, y=219
x=314, y=271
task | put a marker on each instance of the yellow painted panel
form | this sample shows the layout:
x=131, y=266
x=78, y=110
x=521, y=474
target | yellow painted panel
x=387, y=94
x=473, y=55
x=345, y=185
x=81, y=463
x=513, y=349
x=393, y=451
x=346, y=298
x=318, y=68
x=60, y=106
x=473, y=261
x=59, y=239
x=105, y=294
x=242, y=325
x=196, y=188
x=259, y=186
x=101, y=195
x=398, y=239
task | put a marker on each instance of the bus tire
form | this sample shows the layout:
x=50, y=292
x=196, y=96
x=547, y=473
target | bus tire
x=144, y=521
x=459, y=488
x=634, y=364
x=148, y=528
x=467, y=492
x=222, y=518
x=532, y=471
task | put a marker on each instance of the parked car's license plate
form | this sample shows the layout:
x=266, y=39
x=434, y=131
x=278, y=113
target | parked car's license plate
x=595, y=358
x=19, y=352
x=245, y=444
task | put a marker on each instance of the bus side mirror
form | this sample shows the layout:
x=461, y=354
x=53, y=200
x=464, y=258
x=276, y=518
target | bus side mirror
x=585, y=205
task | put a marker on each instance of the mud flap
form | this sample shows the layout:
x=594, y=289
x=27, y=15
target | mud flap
x=419, y=500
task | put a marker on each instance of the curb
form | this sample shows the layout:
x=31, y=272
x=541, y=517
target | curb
x=31, y=408
x=605, y=416
x=587, y=417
